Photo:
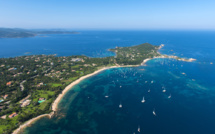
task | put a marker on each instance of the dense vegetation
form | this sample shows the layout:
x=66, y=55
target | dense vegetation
x=134, y=55
x=45, y=76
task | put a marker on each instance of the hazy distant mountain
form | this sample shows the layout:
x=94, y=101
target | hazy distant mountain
x=23, y=33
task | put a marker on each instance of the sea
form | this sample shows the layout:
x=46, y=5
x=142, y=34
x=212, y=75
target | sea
x=179, y=97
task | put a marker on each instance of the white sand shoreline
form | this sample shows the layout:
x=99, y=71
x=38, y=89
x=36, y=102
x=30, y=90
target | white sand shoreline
x=67, y=88
x=60, y=96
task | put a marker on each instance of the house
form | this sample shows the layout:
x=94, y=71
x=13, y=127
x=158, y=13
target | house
x=11, y=69
x=94, y=64
x=40, y=84
x=13, y=115
x=41, y=100
x=9, y=83
x=76, y=59
x=25, y=103
x=5, y=96
x=4, y=116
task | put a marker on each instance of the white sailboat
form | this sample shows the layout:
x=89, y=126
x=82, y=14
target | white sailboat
x=120, y=105
x=169, y=96
x=143, y=100
x=154, y=112
x=138, y=129
x=106, y=96
x=152, y=81
x=149, y=91
x=164, y=89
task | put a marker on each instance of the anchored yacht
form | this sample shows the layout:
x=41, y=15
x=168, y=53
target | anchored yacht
x=120, y=105
x=143, y=100
x=138, y=129
x=154, y=112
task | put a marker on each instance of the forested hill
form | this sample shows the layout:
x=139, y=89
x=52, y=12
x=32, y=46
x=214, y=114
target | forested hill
x=135, y=54
x=23, y=33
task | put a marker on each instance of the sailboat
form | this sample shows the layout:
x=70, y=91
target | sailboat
x=164, y=89
x=106, y=96
x=120, y=105
x=138, y=129
x=169, y=96
x=152, y=81
x=149, y=90
x=154, y=112
x=143, y=100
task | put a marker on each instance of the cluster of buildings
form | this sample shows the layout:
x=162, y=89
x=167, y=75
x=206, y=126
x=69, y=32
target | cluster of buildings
x=10, y=116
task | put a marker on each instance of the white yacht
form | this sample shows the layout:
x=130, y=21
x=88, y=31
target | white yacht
x=138, y=129
x=169, y=96
x=143, y=100
x=120, y=105
x=154, y=112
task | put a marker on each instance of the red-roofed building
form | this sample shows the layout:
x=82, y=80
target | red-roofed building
x=8, y=83
x=5, y=96
x=13, y=115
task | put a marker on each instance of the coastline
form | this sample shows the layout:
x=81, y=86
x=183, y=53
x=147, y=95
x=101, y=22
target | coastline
x=67, y=88
x=29, y=122
x=60, y=96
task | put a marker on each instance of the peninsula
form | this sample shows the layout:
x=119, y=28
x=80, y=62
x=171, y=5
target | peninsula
x=32, y=86
x=23, y=33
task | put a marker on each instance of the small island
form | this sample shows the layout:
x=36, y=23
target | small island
x=32, y=86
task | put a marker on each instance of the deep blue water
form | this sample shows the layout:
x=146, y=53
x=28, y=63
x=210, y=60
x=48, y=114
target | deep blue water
x=86, y=110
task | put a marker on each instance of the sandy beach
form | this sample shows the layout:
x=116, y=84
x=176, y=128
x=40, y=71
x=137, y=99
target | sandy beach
x=56, y=102
x=19, y=130
x=60, y=96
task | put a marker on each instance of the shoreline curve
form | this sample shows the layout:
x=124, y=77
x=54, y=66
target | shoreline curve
x=60, y=96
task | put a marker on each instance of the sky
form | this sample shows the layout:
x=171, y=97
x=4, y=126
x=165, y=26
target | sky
x=108, y=14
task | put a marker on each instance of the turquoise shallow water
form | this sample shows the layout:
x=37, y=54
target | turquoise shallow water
x=190, y=110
